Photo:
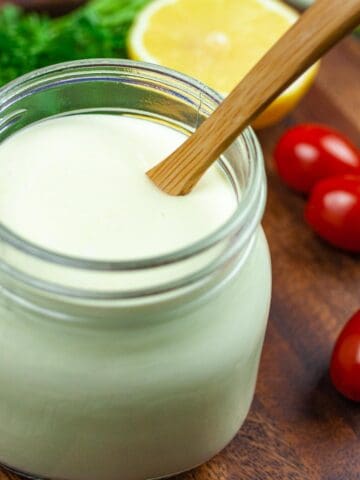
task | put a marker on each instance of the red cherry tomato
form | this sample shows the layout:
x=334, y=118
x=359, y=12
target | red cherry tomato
x=308, y=153
x=345, y=360
x=333, y=211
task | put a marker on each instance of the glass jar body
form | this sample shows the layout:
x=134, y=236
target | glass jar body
x=83, y=403
x=98, y=382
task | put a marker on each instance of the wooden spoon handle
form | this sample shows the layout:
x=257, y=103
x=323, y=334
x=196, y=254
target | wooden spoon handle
x=317, y=30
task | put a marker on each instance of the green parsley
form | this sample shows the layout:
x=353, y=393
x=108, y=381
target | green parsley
x=29, y=40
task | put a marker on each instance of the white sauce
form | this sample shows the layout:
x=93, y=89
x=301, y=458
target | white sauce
x=132, y=390
x=77, y=185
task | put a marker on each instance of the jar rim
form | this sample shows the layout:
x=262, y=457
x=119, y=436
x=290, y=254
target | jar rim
x=254, y=189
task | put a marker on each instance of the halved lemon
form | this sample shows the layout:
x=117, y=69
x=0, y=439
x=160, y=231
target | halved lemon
x=217, y=42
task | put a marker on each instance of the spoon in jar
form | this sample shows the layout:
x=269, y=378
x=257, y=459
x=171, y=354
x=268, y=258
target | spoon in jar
x=316, y=31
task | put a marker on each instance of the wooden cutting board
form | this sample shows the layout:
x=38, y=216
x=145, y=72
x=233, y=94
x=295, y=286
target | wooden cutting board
x=299, y=428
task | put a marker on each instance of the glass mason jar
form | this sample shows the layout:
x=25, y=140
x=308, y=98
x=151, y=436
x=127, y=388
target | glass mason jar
x=130, y=369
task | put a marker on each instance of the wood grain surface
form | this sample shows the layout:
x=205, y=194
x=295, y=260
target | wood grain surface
x=299, y=428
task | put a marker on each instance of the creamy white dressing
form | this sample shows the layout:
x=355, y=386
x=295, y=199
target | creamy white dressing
x=133, y=389
x=77, y=185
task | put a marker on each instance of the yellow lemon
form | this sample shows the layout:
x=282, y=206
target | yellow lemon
x=217, y=42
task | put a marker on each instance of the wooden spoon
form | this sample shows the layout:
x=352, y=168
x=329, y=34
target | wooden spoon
x=316, y=31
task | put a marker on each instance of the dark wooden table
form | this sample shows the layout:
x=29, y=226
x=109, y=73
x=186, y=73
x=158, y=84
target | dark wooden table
x=299, y=428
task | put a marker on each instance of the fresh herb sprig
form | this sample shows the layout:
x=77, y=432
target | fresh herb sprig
x=30, y=40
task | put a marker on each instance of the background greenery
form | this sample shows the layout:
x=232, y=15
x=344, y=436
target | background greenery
x=30, y=41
